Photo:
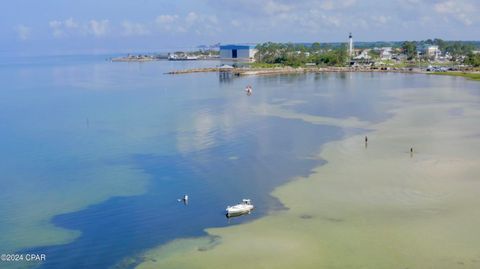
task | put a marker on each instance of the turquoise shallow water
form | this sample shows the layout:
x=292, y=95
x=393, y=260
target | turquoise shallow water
x=95, y=154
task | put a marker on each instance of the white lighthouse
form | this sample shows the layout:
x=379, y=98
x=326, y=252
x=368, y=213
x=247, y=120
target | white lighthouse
x=350, y=45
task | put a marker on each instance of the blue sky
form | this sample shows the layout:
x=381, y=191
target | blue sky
x=105, y=26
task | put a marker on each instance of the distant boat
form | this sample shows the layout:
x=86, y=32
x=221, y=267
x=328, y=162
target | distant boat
x=244, y=207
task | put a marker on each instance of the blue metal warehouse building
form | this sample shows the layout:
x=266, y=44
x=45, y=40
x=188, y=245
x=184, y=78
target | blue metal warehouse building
x=237, y=51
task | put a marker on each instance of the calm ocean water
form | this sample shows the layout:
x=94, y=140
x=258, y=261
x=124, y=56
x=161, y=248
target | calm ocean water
x=105, y=149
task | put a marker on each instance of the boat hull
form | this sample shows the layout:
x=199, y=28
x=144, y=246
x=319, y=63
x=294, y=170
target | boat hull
x=233, y=211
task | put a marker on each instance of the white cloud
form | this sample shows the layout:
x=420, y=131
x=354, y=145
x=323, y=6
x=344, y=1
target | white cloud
x=314, y=21
x=202, y=24
x=166, y=19
x=381, y=19
x=71, y=23
x=168, y=23
x=23, y=32
x=191, y=18
x=330, y=20
x=56, y=28
x=332, y=5
x=274, y=7
x=70, y=27
x=62, y=28
x=361, y=24
x=462, y=11
x=235, y=23
x=98, y=28
x=192, y=22
x=134, y=29
x=349, y=3
x=194, y=18
x=259, y=20
x=327, y=5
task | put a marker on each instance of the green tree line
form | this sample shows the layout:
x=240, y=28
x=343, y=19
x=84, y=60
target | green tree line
x=454, y=48
x=295, y=55
x=473, y=60
x=333, y=54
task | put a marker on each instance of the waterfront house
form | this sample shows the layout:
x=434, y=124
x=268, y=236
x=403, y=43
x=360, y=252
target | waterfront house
x=363, y=55
x=432, y=52
x=386, y=53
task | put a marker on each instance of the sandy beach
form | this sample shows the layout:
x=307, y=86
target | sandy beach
x=370, y=206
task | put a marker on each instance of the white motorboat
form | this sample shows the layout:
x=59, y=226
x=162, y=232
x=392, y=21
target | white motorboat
x=239, y=209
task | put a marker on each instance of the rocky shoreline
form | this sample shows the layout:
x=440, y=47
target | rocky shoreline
x=291, y=70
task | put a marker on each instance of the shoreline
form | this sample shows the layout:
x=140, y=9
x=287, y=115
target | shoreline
x=473, y=75
x=290, y=70
x=375, y=207
x=467, y=75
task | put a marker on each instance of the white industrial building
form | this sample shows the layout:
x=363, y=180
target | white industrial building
x=241, y=52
